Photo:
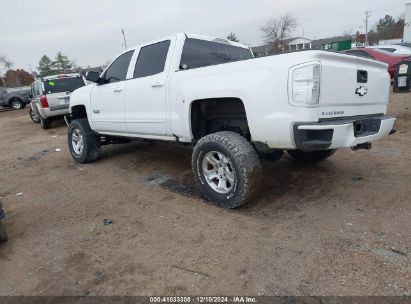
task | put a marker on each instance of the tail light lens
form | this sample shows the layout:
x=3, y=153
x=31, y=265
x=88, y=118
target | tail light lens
x=305, y=85
x=43, y=101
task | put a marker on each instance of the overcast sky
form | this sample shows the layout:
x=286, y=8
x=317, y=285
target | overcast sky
x=89, y=31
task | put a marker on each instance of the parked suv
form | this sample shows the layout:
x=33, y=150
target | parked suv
x=51, y=97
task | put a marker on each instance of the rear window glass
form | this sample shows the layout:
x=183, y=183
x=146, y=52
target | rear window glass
x=200, y=53
x=62, y=84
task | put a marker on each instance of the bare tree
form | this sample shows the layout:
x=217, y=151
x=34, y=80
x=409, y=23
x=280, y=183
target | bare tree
x=6, y=64
x=279, y=29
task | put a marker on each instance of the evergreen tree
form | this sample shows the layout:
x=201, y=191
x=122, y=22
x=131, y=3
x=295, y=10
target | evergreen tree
x=62, y=64
x=232, y=37
x=45, y=66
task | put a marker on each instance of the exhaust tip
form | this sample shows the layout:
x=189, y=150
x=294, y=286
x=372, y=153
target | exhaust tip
x=364, y=146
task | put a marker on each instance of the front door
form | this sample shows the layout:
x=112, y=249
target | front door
x=107, y=99
x=145, y=94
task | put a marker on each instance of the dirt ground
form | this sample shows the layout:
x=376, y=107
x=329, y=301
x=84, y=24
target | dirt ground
x=341, y=227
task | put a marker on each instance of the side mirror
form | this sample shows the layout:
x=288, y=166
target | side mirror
x=93, y=76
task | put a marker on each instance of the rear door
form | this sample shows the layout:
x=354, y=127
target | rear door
x=58, y=91
x=107, y=99
x=145, y=94
x=36, y=91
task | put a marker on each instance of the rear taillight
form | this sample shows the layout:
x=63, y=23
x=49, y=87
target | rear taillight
x=43, y=101
x=305, y=85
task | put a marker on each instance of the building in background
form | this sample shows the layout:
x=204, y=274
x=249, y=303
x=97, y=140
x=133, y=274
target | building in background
x=407, y=23
x=299, y=43
x=337, y=43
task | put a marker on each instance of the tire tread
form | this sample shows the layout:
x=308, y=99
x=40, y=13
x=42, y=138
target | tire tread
x=249, y=165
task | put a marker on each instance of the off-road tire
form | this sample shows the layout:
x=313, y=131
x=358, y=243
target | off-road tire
x=311, y=157
x=3, y=233
x=91, y=142
x=244, y=161
x=16, y=104
x=35, y=120
x=46, y=122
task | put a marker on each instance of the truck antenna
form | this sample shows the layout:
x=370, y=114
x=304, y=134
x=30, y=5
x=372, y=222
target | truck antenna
x=124, y=38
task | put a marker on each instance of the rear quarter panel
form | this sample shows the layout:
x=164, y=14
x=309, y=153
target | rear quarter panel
x=261, y=83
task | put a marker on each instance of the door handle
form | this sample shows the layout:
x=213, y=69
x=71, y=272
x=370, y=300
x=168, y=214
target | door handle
x=157, y=85
x=117, y=90
x=96, y=111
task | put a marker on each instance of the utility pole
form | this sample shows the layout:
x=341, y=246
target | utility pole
x=124, y=38
x=367, y=15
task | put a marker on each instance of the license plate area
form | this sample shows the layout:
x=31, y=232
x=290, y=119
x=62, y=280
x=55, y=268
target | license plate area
x=402, y=81
x=64, y=100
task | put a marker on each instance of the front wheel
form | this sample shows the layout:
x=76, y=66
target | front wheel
x=227, y=169
x=311, y=157
x=83, y=143
x=34, y=116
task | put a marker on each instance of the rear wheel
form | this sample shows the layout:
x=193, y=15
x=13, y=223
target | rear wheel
x=311, y=157
x=46, y=122
x=34, y=117
x=227, y=169
x=16, y=104
x=83, y=143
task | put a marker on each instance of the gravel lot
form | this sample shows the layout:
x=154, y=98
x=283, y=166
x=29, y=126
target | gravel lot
x=338, y=228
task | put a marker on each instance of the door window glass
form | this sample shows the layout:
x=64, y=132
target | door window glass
x=117, y=71
x=151, y=59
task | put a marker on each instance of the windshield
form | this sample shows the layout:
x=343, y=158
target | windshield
x=200, y=53
x=62, y=84
x=386, y=52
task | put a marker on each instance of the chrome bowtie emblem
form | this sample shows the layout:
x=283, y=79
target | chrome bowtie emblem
x=361, y=91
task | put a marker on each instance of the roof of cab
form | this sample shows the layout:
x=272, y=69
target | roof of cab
x=216, y=39
x=196, y=36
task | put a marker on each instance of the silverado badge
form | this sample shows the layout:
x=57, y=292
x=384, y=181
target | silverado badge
x=361, y=91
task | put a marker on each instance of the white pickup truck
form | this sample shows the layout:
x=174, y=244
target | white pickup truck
x=234, y=109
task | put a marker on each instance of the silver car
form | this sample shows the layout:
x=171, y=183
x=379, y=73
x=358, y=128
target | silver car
x=51, y=97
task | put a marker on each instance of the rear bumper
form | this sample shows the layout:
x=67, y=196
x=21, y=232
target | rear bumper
x=53, y=111
x=341, y=132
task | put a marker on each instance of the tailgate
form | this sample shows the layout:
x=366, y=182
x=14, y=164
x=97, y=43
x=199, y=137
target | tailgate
x=352, y=85
x=58, y=101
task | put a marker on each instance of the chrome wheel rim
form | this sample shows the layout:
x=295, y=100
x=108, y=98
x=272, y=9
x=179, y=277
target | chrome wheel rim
x=77, y=141
x=34, y=115
x=218, y=172
x=16, y=105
